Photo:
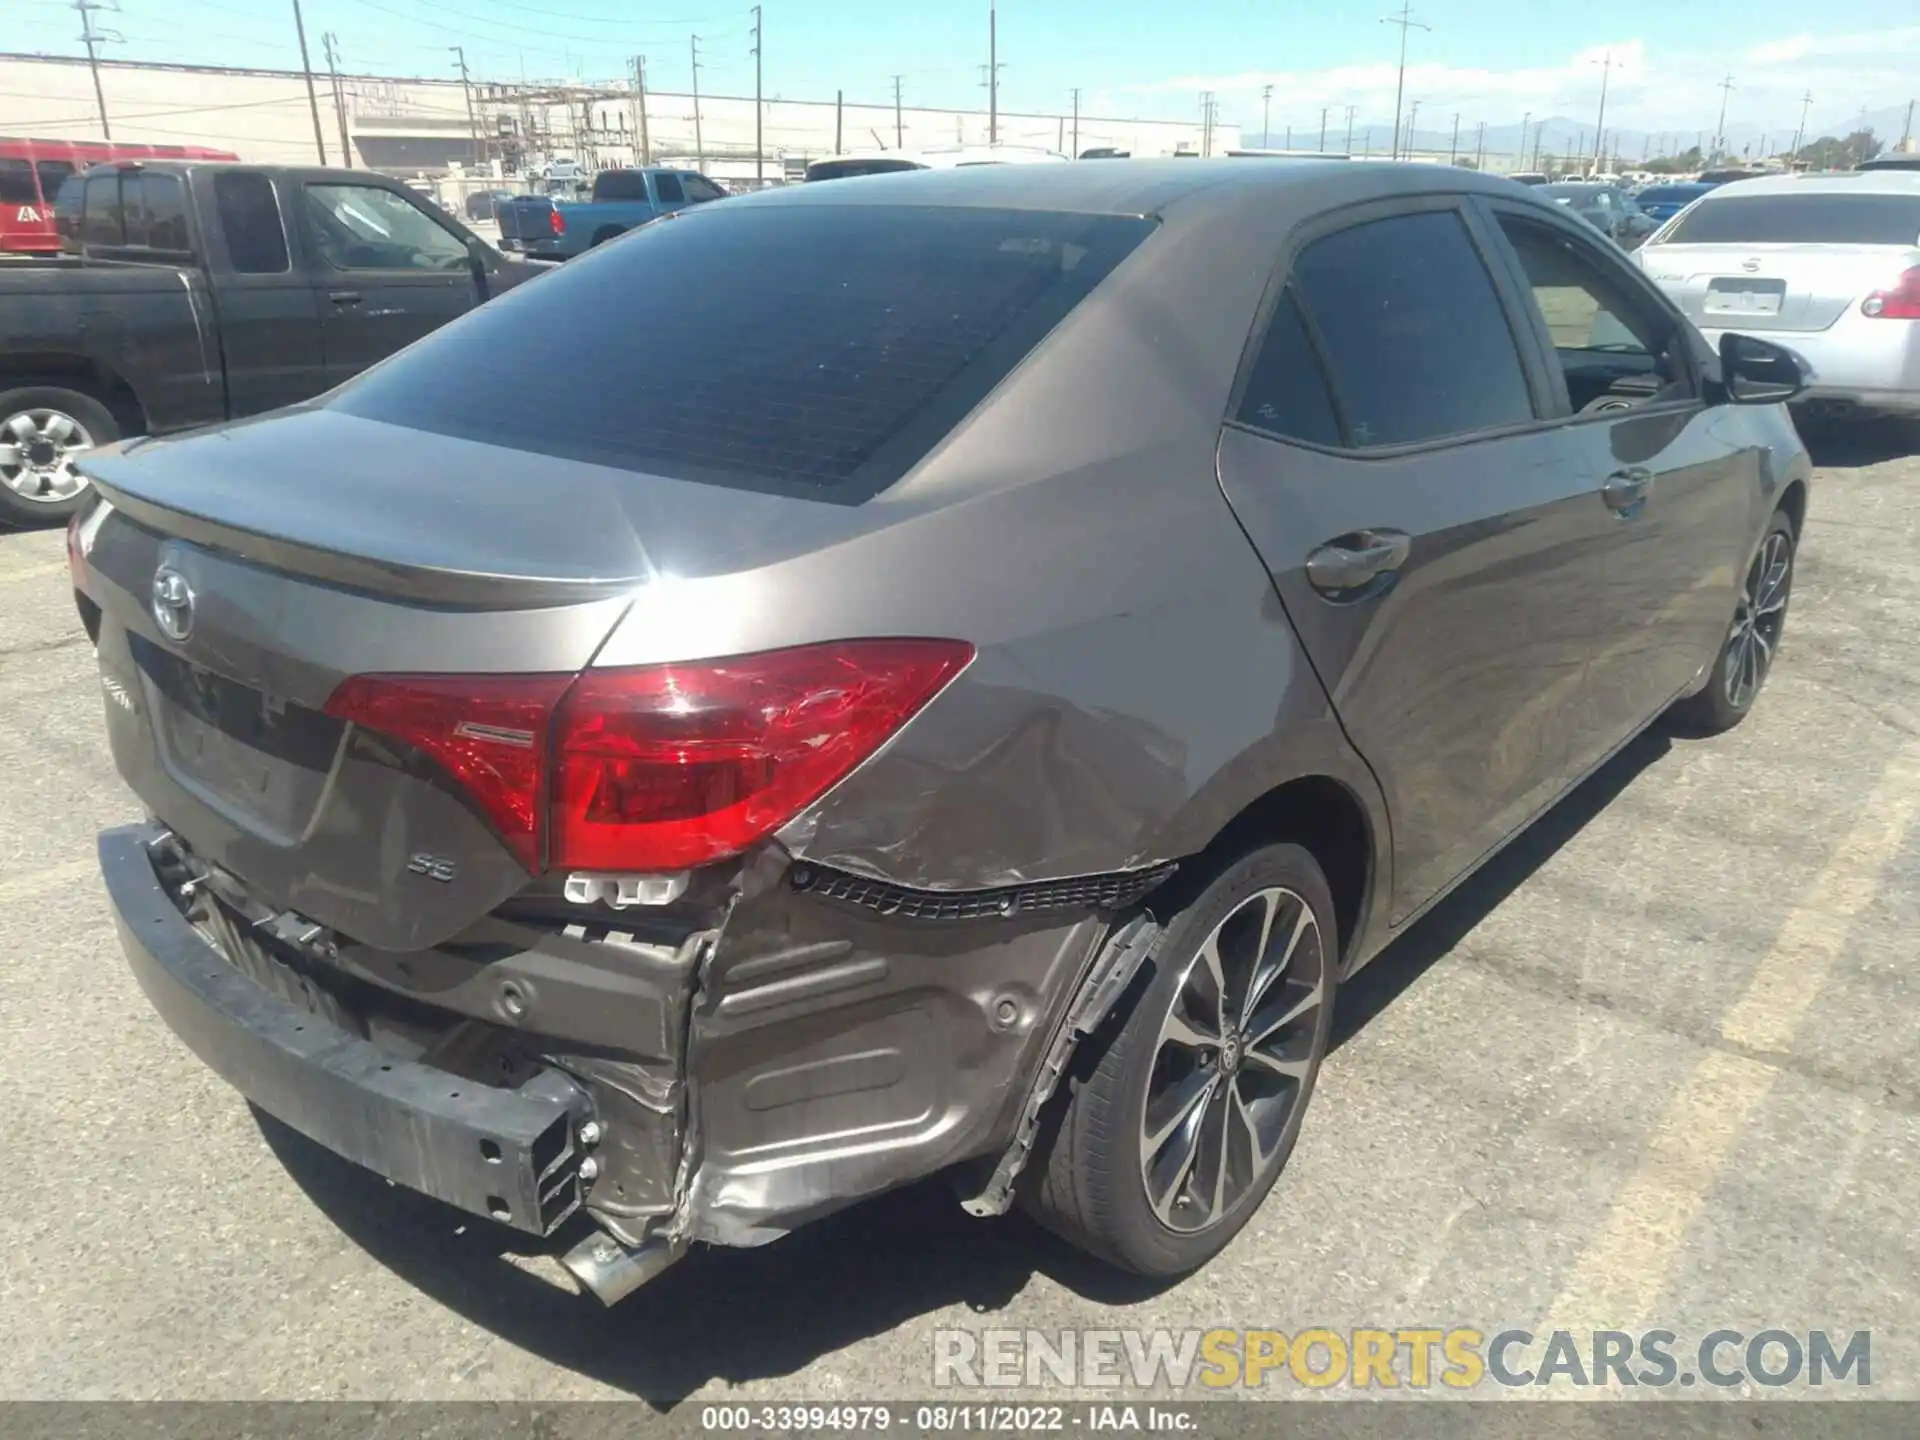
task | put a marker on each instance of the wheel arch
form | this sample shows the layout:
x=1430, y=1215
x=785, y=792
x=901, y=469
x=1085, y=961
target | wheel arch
x=1793, y=500
x=77, y=372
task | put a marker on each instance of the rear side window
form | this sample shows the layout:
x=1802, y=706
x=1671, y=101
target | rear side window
x=250, y=219
x=16, y=183
x=620, y=185
x=669, y=188
x=1287, y=391
x=101, y=223
x=814, y=350
x=1416, y=339
x=155, y=212
x=1810, y=219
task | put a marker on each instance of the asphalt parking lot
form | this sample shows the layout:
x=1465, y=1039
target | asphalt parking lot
x=1658, y=1066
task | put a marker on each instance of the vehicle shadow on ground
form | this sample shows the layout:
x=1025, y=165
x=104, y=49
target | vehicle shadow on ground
x=740, y=1315
x=1865, y=442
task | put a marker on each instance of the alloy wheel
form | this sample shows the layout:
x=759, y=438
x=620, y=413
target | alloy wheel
x=38, y=448
x=1233, y=1060
x=1758, y=619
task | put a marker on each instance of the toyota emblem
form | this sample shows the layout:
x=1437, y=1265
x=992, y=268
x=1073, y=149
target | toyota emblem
x=172, y=603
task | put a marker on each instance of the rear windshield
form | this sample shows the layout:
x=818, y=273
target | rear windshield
x=1661, y=194
x=816, y=350
x=1811, y=219
x=863, y=165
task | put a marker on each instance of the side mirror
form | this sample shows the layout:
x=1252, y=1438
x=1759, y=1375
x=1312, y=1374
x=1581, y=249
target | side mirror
x=477, y=262
x=1758, y=372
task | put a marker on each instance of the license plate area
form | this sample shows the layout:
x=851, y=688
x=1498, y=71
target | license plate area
x=261, y=759
x=1739, y=296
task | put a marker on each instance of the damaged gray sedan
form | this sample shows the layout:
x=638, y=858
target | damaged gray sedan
x=937, y=674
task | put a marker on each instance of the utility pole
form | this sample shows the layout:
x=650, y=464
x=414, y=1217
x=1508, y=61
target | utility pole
x=466, y=88
x=1413, y=114
x=1453, y=147
x=1481, y=163
x=640, y=104
x=1906, y=131
x=1720, y=134
x=759, y=150
x=1323, y=129
x=91, y=37
x=1526, y=122
x=993, y=74
x=1076, y=121
x=1266, y=117
x=1406, y=22
x=1600, y=123
x=331, y=44
x=838, y=97
x=899, y=131
x=313, y=99
x=1800, y=134
x=1366, y=144
x=699, y=144
x=1352, y=110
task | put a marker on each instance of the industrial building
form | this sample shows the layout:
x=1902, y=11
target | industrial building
x=463, y=135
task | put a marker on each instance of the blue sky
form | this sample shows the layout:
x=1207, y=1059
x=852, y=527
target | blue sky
x=1491, y=60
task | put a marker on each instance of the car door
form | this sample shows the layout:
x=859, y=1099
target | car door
x=1434, y=544
x=388, y=271
x=269, y=315
x=1677, y=496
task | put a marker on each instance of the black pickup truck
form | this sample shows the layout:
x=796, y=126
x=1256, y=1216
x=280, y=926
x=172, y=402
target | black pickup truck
x=192, y=293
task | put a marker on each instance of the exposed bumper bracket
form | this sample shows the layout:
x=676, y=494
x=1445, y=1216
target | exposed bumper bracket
x=511, y=1155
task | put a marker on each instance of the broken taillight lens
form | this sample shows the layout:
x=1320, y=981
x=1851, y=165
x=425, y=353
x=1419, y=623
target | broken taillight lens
x=658, y=767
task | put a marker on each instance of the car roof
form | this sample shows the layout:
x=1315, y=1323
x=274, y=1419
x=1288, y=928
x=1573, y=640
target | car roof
x=1869, y=182
x=1157, y=187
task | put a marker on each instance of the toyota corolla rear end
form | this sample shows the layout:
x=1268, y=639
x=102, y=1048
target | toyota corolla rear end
x=1827, y=266
x=554, y=805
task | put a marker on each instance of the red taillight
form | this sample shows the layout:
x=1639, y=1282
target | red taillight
x=489, y=732
x=556, y=221
x=658, y=767
x=1902, y=302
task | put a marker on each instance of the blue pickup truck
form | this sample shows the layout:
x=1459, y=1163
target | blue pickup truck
x=554, y=227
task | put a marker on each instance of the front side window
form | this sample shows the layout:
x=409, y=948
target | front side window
x=668, y=187
x=1415, y=337
x=364, y=227
x=53, y=174
x=250, y=219
x=1607, y=339
x=700, y=189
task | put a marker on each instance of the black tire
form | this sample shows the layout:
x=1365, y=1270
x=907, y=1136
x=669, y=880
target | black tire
x=19, y=477
x=1088, y=1184
x=1731, y=688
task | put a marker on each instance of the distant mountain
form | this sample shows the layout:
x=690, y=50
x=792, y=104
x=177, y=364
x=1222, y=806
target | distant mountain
x=1560, y=136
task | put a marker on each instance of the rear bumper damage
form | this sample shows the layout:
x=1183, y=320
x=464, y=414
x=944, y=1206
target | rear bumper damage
x=722, y=1070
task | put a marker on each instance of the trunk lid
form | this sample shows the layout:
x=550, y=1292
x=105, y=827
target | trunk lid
x=233, y=579
x=1791, y=288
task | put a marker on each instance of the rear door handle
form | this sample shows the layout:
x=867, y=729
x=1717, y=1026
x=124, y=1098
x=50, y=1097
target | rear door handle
x=1356, y=561
x=344, y=297
x=1626, y=491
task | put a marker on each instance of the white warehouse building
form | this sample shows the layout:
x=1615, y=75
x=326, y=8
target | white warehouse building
x=424, y=127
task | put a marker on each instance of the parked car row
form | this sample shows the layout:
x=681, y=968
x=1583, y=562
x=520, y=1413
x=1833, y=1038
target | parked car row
x=197, y=292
